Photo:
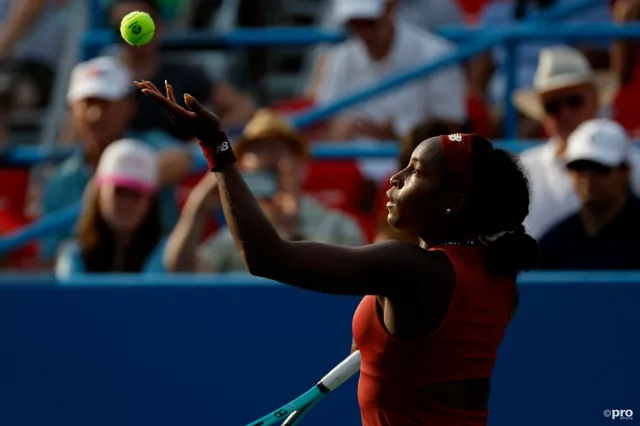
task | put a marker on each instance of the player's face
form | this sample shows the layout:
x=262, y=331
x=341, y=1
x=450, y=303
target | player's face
x=417, y=198
x=123, y=209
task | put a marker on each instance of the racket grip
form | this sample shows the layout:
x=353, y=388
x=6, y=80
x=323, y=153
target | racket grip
x=341, y=372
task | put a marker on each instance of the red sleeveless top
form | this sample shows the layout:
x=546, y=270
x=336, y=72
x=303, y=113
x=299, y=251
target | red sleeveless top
x=465, y=346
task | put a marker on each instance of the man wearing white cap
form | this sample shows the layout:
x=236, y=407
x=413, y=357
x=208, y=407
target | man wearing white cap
x=101, y=103
x=566, y=93
x=383, y=46
x=603, y=234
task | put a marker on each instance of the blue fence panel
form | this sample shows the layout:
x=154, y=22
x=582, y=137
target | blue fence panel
x=96, y=354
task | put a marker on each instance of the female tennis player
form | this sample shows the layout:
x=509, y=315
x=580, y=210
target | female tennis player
x=432, y=317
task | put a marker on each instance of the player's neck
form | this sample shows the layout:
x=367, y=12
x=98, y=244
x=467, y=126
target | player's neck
x=596, y=218
x=446, y=237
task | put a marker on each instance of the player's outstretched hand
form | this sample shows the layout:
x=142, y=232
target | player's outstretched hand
x=196, y=121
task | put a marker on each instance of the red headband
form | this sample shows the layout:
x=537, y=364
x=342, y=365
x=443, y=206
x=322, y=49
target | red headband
x=457, y=149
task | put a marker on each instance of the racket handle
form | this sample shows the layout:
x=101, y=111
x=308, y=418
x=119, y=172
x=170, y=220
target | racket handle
x=341, y=372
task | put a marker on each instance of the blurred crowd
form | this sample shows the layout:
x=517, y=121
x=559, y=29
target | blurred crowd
x=147, y=208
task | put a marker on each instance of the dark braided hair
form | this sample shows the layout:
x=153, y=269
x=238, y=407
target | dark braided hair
x=499, y=203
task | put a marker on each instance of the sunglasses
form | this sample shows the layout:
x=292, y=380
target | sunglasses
x=573, y=102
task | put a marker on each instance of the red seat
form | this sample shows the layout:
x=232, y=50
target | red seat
x=340, y=185
x=25, y=257
x=472, y=8
x=14, y=189
x=479, y=118
x=182, y=193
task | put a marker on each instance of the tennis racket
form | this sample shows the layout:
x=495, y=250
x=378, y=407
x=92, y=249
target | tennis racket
x=296, y=409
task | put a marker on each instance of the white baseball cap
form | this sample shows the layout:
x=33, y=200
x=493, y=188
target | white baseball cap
x=601, y=141
x=103, y=78
x=345, y=10
x=128, y=163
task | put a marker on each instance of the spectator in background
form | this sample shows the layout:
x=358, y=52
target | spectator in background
x=120, y=229
x=488, y=71
x=146, y=62
x=102, y=104
x=625, y=62
x=382, y=46
x=31, y=36
x=604, y=233
x=566, y=93
x=272, y=157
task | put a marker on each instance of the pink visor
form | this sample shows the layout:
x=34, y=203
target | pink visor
x=127, y=182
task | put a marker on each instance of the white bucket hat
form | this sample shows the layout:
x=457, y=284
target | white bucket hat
x=560, y=67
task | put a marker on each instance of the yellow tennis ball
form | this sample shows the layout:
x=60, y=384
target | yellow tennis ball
x=137, y=28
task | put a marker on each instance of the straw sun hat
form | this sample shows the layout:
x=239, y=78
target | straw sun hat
x=558, y=68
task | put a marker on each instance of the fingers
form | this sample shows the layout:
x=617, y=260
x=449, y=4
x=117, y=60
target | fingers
x=169, y=90
x=200, y=111
x=193, y=104
x=169, y=107
x=153, y=86
x=144, y=84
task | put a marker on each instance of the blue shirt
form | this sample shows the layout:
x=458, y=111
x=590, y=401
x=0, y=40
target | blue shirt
x=67, y=184
x=69, y=261
x=567, y=247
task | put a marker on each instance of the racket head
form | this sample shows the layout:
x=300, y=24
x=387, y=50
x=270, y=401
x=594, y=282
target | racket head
x=312, y=396
x=303, y=404
x=295, y=417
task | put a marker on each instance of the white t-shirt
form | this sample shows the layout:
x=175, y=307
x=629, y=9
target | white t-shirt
x=350, y=68
x=553, y=197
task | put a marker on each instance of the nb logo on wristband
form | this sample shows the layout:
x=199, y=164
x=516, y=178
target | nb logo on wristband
x=222, y=147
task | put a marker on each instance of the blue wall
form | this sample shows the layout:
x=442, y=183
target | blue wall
x=98, y=355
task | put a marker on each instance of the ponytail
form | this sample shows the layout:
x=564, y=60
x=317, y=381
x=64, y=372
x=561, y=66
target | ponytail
x=511, y=252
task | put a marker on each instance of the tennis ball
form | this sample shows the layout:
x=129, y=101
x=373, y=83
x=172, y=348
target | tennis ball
x=137, y=28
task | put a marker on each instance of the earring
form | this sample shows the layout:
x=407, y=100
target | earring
x=447, y=211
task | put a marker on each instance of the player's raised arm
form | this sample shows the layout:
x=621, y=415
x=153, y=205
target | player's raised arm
x=327, y=268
